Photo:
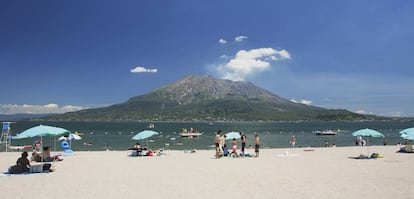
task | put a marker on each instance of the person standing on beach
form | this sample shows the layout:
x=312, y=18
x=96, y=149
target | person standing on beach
x=243, y=142
x=217, y=142
x=256, y=144
x=292, y=141
x=223, y=142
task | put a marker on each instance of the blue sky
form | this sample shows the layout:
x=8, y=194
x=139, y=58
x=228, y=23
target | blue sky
x=58, y=56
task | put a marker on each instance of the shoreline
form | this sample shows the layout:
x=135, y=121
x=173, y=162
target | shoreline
x=321, y=173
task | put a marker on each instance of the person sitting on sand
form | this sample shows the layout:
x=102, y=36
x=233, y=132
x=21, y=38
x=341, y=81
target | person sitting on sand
x=36, y=157
x=37, y=147
x=138, y=148
x=47, y=157
x=22, y=164
x=225, y=150
x=150, y=152
x=408, y=148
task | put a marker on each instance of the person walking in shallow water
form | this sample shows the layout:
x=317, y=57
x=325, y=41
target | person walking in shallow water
x=292, y=141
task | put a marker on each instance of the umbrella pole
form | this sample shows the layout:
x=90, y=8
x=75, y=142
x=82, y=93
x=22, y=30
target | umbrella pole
x=41, y=148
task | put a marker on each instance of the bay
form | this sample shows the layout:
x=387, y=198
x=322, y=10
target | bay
x=118, y=135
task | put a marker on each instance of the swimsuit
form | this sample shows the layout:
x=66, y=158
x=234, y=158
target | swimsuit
x=256, y=148
x=234, y=148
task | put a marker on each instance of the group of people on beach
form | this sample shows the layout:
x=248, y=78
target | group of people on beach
x=39, y=154
x=138, y=150
x=222, y=150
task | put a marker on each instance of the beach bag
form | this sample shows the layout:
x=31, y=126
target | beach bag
x=374, y=155
x=46, y=167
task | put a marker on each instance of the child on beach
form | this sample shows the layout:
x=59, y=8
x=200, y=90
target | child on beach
x=256, y=144
x=234, y=148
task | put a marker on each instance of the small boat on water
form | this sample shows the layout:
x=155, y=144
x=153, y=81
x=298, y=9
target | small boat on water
x=326, y=132
x=190, y=133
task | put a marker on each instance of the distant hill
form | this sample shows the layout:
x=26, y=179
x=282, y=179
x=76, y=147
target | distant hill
x=204, y=98
x=14, y=117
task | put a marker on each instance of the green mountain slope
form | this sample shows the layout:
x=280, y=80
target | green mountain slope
x=204, y=98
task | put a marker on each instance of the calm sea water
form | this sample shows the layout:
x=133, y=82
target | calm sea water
x=273, y=134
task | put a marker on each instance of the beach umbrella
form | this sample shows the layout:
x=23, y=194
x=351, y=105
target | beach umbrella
x=368, y=133
x=62, y=138
x=408, y=135
x=231, y=135
x=74, y=136
x=406, y=131
x=41, y=130
x=144, y=135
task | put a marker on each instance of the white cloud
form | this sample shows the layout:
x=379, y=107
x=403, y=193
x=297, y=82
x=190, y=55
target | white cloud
x=305, y=102
x=222, y=41
x=37, y=109
x=240, y=38
x=247, y=63
x=140, y=69
x=361, y=111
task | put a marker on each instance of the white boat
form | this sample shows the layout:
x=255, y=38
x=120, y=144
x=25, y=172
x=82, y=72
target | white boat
x=326, y=132
x=189, y=133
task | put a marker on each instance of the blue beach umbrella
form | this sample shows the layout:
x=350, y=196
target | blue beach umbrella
x=144, y=135
x=231, y=135
x=409, y=136
x=41, y=130
x=406, y=131
x=368, y=133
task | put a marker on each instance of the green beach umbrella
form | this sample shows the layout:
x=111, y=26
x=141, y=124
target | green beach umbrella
x=406, y=131
x=368, y=133
x=41, y=130
x=144, y=135
x=408, y=135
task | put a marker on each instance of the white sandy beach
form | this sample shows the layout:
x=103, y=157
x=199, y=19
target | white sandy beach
x=322, y=173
